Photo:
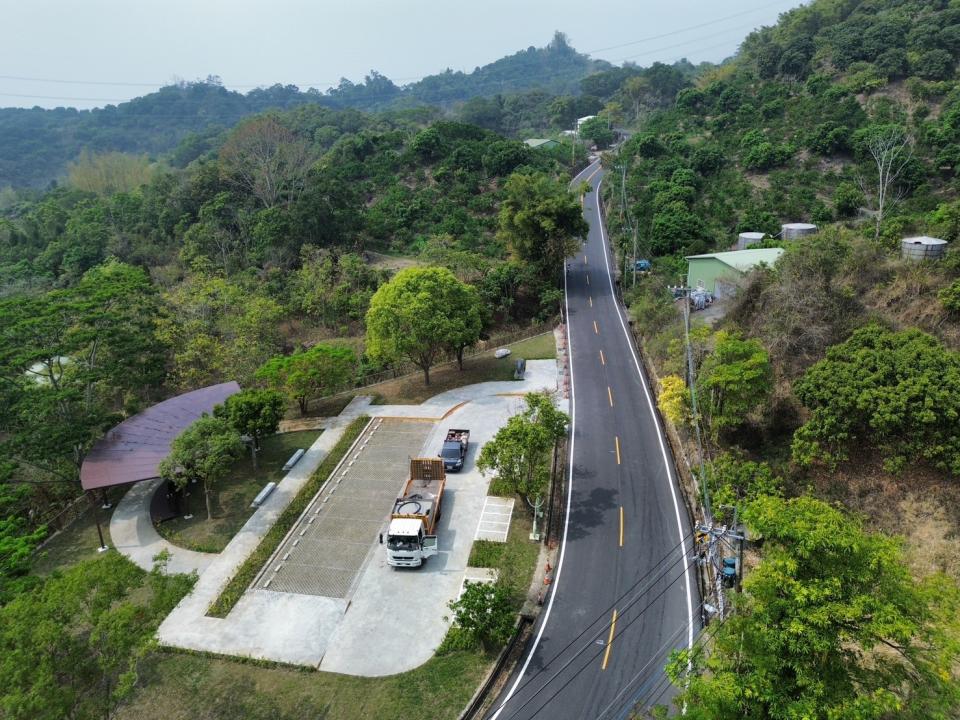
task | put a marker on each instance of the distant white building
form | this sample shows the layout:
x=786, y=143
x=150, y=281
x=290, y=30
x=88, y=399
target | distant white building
x=581, y=121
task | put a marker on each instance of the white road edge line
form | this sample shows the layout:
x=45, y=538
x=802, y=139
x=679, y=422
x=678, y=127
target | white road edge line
x=566, y=520
x=653, y=415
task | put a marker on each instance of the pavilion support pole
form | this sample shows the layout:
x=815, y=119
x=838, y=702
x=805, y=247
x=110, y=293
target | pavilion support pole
x=96, y=518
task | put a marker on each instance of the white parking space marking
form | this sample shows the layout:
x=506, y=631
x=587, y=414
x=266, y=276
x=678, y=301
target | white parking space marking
x=495, y=519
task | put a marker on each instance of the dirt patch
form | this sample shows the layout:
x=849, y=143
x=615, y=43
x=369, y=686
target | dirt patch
x=759, y=181
x=391, y=262
x=917, y=505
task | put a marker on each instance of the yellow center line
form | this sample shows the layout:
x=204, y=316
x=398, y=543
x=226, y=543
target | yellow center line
x=591, y=301
x=596, y=330
x=621, y=526
x=610, y=395
x=606, y=653
x=603, y=360
x=590, y=176
x=617, y=441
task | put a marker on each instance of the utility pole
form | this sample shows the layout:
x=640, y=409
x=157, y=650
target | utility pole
x=634, y=255
x=573, y=146
x=716, y=538
x=623, y=192
x=692, y=381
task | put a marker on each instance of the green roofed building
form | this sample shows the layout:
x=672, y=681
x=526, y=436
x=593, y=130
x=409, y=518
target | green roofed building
x=706, y=270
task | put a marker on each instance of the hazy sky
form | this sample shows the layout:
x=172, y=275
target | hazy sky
x=107, y=51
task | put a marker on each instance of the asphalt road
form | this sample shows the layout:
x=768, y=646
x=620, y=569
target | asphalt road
x=624, y=593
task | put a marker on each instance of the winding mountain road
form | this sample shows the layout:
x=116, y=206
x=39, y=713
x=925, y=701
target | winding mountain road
x=624, y=593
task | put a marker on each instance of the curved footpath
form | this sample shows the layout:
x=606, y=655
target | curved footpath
x=335, y=633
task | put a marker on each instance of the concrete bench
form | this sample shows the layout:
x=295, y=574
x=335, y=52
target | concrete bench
x=264, y=494
x=294, y=459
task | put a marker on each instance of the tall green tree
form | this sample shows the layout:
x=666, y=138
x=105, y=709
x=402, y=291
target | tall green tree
x=72, y=647
x=67, y=357
x=597, y=130
x=519, y=454
x=485, y=613
x=420, y=313
x=734, y=379
x=541, y=221
x=255, y=413
x=203, y=452
x=897, y=393
x=310, y=373
x=830, y=625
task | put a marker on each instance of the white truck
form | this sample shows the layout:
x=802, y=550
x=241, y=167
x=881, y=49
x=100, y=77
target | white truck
x=411, y=538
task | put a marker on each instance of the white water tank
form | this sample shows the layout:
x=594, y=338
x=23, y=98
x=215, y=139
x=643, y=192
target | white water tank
x=746, y=239
x=794, y=231
x=922, y=248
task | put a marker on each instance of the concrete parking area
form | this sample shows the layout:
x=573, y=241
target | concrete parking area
x=376, y=620
x=326, y=548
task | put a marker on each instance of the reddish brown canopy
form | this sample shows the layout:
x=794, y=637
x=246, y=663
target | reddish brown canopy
x=132, y=450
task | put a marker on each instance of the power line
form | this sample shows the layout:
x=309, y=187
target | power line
x=329, y=84
x=689, y=27
x=687, y=42
x=667, y=645
x=623, y=629
x=602, y=616
x=654, y=694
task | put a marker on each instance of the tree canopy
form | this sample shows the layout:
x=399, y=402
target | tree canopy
x=203, y=452
x=421, y=313
x=310, y=373
x=541, y=221
x=519, y=453
x=256, y=413
x=895, y=392
x=830, y=625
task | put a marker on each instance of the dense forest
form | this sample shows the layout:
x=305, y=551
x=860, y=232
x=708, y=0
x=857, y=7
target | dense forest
x=240, y=237
x=180, y=122
x=133, y=282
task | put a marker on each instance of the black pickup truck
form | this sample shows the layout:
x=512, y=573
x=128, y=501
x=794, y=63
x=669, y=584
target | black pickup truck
x=455, y=449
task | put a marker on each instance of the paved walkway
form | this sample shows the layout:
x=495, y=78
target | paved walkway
x=133, y=534
x=260, y=625
x=371, y=634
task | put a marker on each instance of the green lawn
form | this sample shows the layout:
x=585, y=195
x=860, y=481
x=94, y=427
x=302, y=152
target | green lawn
x=480, y=368
x=233, y=495
x=516, y=559
x=78, y=542
x=175, y=686
x=541, y=347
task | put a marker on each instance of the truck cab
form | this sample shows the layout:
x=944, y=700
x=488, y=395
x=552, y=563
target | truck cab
x=413, y=521
x=408, y=545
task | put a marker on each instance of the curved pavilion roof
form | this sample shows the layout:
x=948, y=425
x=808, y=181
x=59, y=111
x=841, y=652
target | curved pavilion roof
x=131, y=451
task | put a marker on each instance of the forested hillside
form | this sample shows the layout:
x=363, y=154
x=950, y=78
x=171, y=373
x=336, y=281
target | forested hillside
x=136, y=282
x=831, y=379
x=180, y=122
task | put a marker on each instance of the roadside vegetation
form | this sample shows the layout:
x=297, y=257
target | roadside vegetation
x=826, y=389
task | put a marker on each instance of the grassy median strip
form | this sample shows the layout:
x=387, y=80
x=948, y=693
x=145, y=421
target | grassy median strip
x=251, y=566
